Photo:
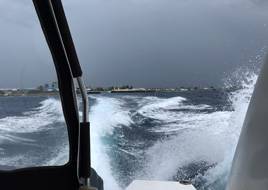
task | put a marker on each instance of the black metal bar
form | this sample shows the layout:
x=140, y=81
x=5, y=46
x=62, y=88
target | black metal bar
x=56, y=30
x=67, y=38
x=84, y=139
x=49, y=26
x=55, y=27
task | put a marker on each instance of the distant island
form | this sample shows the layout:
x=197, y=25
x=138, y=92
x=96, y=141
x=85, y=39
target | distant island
x=51, y=89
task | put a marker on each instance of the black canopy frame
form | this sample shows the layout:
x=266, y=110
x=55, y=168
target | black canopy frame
x=66, y=177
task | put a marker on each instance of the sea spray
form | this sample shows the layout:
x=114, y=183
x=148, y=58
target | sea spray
x=216, y=178
x=105, y=116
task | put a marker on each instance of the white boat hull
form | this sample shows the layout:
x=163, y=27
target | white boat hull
x=250, y=165
x=158, y=185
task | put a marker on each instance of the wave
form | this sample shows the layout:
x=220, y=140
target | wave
x=40, y=118
x=173, y=113
x=18, y=132
x=194, y=136
x=156, y=108
x=201, y=138
x=61, y=155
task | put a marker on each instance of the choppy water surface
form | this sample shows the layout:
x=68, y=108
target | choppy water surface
x=167, y=136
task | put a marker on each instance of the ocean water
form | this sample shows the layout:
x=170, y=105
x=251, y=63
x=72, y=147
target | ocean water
x=188, y=135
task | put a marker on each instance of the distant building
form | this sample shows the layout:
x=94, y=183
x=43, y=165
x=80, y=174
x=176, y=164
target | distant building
x=54, y=86
x=50, y=87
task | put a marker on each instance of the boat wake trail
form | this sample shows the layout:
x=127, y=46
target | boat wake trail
x=167, y=138
x=105, y=116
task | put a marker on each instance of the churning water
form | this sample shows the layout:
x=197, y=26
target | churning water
x=166, y=136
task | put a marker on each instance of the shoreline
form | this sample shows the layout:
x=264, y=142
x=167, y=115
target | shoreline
x=56, y=93
x=18, y=94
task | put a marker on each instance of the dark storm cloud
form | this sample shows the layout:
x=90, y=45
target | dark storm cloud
x=260, y=2
x=24, y=57
x=139, y=42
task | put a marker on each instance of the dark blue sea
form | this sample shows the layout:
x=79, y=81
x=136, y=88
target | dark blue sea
x=186, y=135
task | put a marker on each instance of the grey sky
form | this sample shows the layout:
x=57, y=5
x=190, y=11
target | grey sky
x=138, y=42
